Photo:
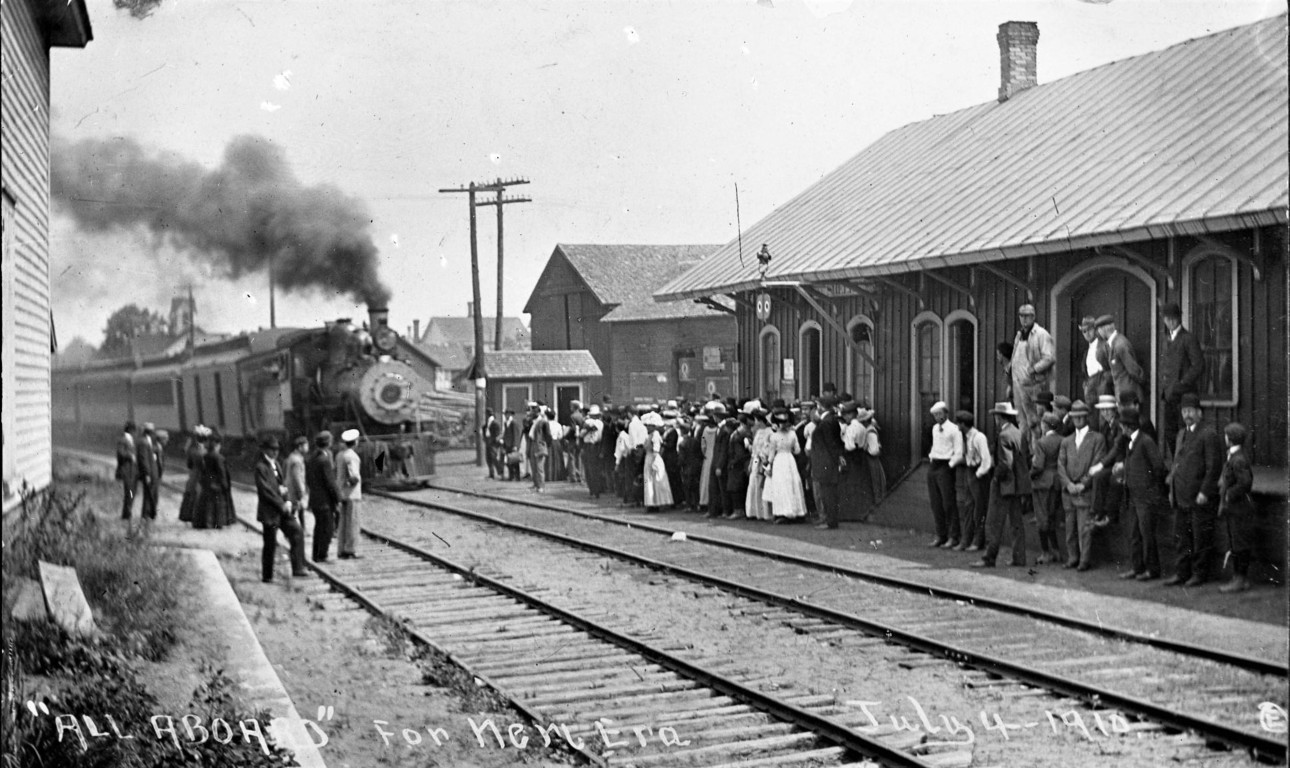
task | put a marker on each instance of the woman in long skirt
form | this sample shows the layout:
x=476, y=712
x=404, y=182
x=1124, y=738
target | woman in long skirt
x=195, y=454
x=708, y=440
x=783, y=489
x=215, y=502
x=657, y=488
x=755, y=505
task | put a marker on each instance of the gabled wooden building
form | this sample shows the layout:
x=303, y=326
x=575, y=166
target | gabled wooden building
x=600, y=298
x=29, y=28
x=1159, y=178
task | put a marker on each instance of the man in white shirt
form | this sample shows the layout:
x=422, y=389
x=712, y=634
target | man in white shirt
x=972, y=483
x=349, y=479
x=1097, y=362
x=947, y=450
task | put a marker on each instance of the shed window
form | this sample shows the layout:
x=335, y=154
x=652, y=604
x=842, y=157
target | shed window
x=770, y=363
x=860, y=376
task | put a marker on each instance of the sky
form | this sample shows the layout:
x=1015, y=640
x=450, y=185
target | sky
x=633, y=121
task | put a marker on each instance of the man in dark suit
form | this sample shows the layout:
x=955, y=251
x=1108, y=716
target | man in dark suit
x=324, y=495
x=127, y=470
x=718, y=500
x=827, y=462
x=1010, y=485
x=1126, y=373
x=1144, y=481
x=493, y=449
x=1079, y=451
x=1193, y=491
x=274, y=511
x=512, y=436
x=146, y=460
x=1182, y=364
x=1046, y=491
x=1236, y=507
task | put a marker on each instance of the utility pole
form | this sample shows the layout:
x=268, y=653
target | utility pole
x=273, y=316
x=478, y=374
x=501, y=201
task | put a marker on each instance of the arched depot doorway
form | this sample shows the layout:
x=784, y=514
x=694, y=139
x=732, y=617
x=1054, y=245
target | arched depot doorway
x=1105, y=285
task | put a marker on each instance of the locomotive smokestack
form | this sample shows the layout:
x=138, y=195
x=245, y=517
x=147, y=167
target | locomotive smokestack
x=379, y=318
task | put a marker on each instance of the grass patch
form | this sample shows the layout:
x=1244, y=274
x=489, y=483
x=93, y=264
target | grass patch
x=137, y=594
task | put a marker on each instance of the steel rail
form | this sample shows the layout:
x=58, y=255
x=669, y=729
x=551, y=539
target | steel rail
x=1239, y=661
x=821, y=726
x=1258, y=746
x=417, y=636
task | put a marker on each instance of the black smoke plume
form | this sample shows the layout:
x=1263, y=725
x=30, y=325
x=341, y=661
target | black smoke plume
x=235, y=217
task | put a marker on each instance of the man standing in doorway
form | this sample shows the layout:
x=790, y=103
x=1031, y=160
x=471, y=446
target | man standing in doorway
x=349, y=480
x=947, y=451
x=1097, y=363
x=1182, y=364
x=1033, y=355
x=1126, y=373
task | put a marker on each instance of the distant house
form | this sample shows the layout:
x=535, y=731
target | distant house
x=28, y=29
x=599, y=298
x=451, y=342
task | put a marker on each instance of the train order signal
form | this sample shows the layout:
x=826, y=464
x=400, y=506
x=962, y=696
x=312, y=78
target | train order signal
x=763, y=306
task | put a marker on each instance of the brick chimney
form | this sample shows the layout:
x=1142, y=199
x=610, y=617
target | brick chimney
x=1017, y=43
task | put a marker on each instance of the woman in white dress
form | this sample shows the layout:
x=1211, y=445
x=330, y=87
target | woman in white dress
x=783, y=489
x=658, y=489
x=708, y=441
x=754, y=502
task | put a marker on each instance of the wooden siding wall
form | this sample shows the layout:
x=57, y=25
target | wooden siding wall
x=24, y=173
x=561, y=297
x=1262, y=370
x=651, y=346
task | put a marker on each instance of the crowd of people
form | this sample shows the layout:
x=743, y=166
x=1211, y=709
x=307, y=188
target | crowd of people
x=1077, y=465
x=325, y=481
x=811, y=461
x=1052, y=458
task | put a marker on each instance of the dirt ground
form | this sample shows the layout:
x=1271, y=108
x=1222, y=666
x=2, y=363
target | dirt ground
x=329, y=653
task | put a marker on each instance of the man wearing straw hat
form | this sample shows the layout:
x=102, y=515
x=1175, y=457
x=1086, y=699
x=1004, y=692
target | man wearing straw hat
x=1010, y=485
x=1080, y=450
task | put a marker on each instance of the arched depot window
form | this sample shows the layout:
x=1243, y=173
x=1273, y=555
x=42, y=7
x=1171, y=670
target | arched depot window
x=810, y=359
x=769, y=358
x=860, y=373
x=1210, y=293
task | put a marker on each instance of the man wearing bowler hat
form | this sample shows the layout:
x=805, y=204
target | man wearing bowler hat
x=1193, y=492
x=1127, y=374
x=1144, y=482
x=1034, y=353
x=1182, y=364
x=274, y=511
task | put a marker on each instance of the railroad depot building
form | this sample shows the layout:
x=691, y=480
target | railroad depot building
x=1159, y=178
x=30, y=28
x=599, y=298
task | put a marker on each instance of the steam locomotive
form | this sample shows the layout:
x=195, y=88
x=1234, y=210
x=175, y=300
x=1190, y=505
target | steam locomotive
x=285, y=382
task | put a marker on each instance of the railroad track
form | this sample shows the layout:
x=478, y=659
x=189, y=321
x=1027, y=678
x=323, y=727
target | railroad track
x=1132, y=679
x=734, y=721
